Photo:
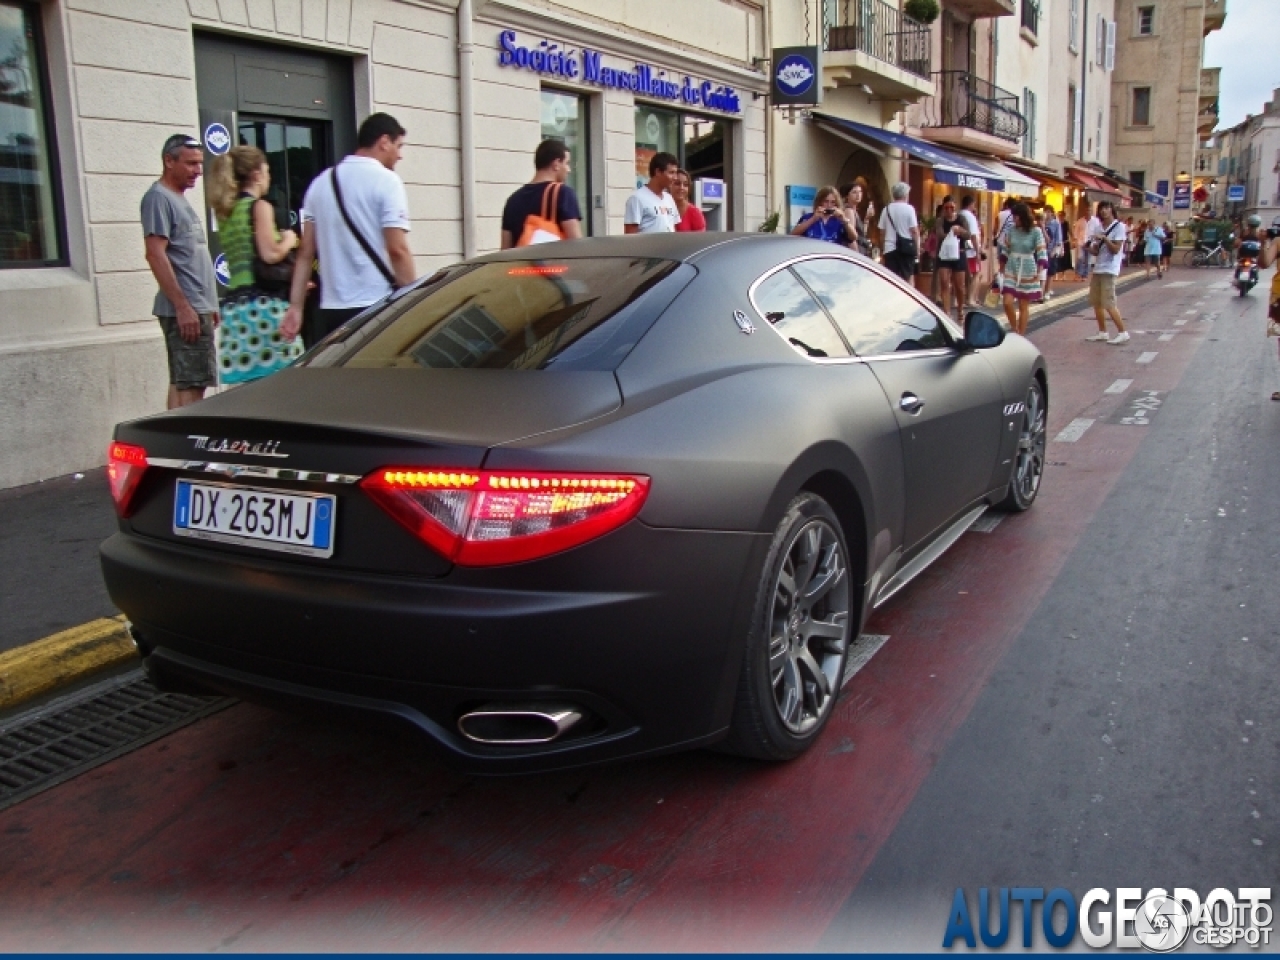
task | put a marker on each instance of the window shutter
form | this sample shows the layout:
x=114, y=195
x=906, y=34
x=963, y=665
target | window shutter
x=1073, y=37
x=1079, y=126
x=1111, y=45
x=1100, y=41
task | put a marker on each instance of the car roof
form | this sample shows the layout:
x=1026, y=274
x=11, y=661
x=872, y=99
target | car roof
x=682, y=247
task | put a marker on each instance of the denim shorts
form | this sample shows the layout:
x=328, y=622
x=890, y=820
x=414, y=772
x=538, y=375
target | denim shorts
x=192, y=366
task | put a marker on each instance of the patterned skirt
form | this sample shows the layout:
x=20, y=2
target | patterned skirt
x=1022, y=277
x=249, y=342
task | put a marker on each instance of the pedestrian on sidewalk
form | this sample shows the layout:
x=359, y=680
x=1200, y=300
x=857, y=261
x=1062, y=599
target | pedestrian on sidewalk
x=692, y=219
x=828, y=222
x=1106, y=246
x=973, y=249
x=1267, y=256
x=1052, y=239
x=545, y=209
x=1022, y=246
x=355, y=221
x=259, y=265
x=901, y=230
x=1154, y=248
x=1080, y=240
x=952, y=236
x=1166, y=248
x=1066, y=263
x=852, y=194
x=177, y=251
x=651, y=209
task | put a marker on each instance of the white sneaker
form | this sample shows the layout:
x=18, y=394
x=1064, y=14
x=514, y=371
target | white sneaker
x=1119, y=338
x=1100, y=336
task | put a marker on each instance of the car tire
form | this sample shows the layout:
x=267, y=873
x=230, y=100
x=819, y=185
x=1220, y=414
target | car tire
x=797, y=647
x=1029, y=461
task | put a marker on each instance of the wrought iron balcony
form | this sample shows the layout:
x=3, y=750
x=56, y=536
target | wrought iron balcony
x=964, y=100
x=878, y=30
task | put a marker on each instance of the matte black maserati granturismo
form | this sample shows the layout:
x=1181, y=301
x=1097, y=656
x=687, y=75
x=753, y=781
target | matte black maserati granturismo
x=566, y=503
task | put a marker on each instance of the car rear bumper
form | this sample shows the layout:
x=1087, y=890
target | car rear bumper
x=652, y=665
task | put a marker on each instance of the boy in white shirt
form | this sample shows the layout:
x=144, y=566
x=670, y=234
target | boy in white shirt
x=651, y=209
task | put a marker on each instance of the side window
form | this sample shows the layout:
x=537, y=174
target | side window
x=874, y=315
x=791, y=310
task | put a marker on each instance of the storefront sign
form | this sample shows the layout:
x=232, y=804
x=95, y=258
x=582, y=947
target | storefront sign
x=799, y=204
x=550, y=59
x=1182, y=196
x=796, y=77
x=217, y=138
x=968, y=181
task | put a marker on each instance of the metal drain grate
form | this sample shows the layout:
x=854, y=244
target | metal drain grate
x=51, y=745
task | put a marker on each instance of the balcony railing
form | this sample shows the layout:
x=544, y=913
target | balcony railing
x=1031, y=16
x=963, y=100
x=879, y=30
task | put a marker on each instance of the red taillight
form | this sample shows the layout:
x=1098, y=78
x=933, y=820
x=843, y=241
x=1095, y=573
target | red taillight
x=489, y=517
x=125, y=466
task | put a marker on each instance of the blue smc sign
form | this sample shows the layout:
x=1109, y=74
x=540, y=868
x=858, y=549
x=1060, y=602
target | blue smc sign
x=551, y=59
x=1235, y=193
x=795, y=74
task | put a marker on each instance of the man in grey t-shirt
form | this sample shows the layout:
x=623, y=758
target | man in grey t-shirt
x=178, y=255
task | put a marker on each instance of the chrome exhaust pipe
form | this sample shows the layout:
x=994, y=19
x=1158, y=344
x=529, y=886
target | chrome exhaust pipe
x=519, y=725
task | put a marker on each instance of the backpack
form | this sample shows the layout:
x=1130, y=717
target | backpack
x=544, y=228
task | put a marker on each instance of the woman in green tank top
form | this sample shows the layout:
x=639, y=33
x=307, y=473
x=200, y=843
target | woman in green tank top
x=249, y=341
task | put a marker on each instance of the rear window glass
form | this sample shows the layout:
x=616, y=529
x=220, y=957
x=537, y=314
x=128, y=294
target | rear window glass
x=513, y=315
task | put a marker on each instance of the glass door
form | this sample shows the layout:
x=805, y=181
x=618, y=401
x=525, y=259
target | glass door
x=297, y=150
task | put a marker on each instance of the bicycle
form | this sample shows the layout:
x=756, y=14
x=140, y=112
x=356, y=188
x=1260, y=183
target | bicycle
x=1217, y=256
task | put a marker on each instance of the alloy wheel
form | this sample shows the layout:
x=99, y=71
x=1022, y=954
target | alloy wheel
x=809, y=626
x=1031, y=447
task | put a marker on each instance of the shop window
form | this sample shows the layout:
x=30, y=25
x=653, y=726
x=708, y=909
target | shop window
x=700, y=143
x=1141, y=106
x=564, y=117
x=30, y=204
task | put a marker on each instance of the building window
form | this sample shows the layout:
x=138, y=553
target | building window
x=1141, y=116
x=1073, y=29
x=1031, y=16
x=564, y=117
x=1139, y=178
x=1029, y=112
x=30, y=205
x=1146, y=21
x=1073, y=120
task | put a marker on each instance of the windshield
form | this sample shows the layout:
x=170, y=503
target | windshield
x=513, y=315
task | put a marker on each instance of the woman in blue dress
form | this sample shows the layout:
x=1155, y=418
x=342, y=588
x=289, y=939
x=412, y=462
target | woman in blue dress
x=828, y=221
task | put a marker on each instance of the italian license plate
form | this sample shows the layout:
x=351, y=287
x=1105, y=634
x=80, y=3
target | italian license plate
x=255, y=517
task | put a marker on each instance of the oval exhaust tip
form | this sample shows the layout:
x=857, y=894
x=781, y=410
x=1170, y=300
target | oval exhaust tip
x=518, y=725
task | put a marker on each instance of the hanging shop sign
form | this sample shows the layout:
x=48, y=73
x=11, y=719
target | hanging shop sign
x=797, y=80
x=551, y=59
x=1182, y=196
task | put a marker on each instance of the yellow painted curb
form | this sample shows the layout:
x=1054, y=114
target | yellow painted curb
x=38, y=667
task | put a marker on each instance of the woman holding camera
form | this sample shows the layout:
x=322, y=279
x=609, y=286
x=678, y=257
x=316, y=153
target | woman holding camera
x=828, y=221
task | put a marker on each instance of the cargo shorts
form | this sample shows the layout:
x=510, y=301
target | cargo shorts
x=192, y=366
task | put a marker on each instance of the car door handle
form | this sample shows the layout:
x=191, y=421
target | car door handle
x=911, y=404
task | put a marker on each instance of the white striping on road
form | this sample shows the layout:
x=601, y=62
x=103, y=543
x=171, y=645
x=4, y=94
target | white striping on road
x=1148, y=356
x=1181, y=321
x=1192, y=312
x=1120, y=386
x=1166, y=337
x=1074, y=430
x=1180, y=283
x=861, y=652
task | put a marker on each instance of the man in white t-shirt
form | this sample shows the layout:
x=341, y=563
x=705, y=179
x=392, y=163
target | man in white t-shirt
x=899, y=219
x=354, y=274
x=651, y=209
x=973, y=249
x=1106, y=245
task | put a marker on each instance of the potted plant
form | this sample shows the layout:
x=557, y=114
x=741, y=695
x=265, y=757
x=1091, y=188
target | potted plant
x=925, y=11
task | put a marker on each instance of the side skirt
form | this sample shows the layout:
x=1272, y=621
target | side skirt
x=927, y=556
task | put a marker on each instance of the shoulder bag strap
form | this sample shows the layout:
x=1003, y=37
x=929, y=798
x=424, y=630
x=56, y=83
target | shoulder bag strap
x=360, y=239
x=551, y=202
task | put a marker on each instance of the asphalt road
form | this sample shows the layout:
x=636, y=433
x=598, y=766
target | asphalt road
x=1084, y=696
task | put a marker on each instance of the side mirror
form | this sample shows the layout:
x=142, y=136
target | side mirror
x=982, y=331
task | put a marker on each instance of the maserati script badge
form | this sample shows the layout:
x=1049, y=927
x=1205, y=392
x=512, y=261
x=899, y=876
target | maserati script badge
x=267, y=448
